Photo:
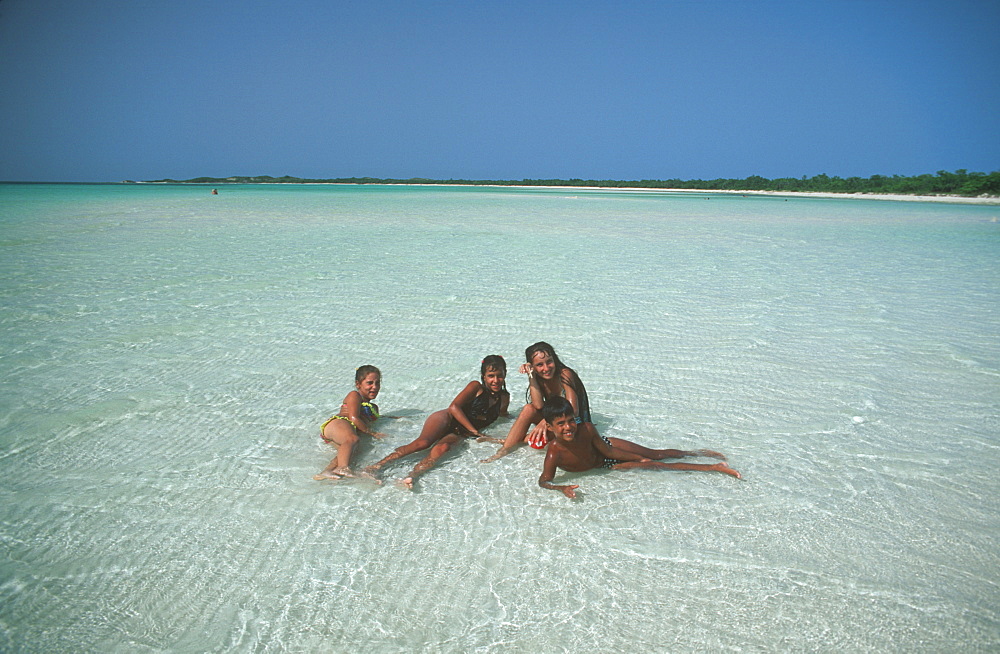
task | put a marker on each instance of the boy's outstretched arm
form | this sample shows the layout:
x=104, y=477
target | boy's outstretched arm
x=549, y=473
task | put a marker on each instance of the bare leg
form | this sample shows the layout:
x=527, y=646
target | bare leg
x=649, y=453
x=435, y=427
x=659, y=465
x=518, y=432
x=341, y=433
x=439, y=450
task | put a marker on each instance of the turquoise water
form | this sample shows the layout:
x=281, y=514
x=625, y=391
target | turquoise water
x=168, y=356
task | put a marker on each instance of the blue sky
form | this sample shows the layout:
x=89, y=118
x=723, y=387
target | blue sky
x=112, y=90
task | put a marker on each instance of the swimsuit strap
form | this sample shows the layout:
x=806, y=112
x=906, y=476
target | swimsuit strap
x=582, y=399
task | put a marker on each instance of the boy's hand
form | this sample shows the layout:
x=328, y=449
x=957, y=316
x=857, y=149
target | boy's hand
x=569, y=491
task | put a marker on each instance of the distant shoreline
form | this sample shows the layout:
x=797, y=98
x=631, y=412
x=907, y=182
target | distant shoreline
x=961, y=186
x=959, y=199
x=988, y=200
x=954, y=199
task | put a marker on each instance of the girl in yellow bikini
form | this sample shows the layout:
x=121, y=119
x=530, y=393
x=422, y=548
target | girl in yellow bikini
x=357, y=414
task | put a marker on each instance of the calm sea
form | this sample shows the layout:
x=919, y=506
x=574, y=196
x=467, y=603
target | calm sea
x=167, y=357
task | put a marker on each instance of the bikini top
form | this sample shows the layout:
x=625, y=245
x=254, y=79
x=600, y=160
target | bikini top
x=369, y=411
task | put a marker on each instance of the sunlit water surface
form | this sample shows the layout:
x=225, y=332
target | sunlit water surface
x=167, y=357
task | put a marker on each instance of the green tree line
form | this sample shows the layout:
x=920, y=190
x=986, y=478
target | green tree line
x=961, y=183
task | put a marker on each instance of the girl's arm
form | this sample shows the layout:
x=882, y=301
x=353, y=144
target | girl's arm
x=352, y=408
x=463, y=399
x=539, y=435
x=504, y=404
x=534, y=387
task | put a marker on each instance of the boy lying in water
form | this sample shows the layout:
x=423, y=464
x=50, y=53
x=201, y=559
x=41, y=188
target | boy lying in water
x=578, y=447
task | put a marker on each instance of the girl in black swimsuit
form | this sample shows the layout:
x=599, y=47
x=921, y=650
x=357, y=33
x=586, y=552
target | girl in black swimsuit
x=478, y=405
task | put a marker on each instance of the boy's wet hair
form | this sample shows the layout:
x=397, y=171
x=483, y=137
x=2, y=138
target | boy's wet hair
x=493, y=362
x=364, y=371
x=557, y=407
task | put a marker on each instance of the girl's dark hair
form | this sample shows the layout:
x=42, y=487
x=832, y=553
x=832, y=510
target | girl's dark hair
x=542, y=346
x=495, y=362
x=364, y=371
x=545, y=348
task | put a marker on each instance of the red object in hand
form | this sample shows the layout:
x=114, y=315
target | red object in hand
x=539, y=444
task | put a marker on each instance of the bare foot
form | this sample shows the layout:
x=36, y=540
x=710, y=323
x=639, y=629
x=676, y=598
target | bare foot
x=711, y=453
x=499, y=455
x=724, y=467
x=405, y=482
x=345, y=472
x=327, y=475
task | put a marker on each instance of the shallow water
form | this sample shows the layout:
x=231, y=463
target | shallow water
x=168, y=357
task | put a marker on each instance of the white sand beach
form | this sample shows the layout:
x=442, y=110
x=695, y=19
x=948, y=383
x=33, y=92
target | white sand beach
x=954, y=199
x=863, y=196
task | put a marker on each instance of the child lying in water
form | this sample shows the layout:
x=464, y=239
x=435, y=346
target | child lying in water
x=478, y=405
x=578, y=447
